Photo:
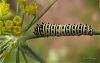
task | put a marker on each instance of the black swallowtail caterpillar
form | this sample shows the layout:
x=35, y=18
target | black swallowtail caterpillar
x=63, y=30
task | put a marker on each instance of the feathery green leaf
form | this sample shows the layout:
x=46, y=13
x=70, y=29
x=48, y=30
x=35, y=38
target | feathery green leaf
x=32, y=54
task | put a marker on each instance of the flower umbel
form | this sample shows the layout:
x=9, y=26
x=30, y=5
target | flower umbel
x=18, y=20
x=17, y=30
x=9, y=24
x=31, y=9
x=4, y=8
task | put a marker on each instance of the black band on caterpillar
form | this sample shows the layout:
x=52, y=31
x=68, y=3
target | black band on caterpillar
x=63, y=30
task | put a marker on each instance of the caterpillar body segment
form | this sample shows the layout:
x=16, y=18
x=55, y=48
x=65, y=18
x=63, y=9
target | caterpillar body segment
x=63, y=30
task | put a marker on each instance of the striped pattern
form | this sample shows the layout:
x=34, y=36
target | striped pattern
x=63, y=30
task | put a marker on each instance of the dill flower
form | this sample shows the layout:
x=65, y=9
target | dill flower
x=1, y=23
x=31, y=9
x=8, y=16
x=17, y=20
x=17, y=30
x=9, y=24
x=4, y=7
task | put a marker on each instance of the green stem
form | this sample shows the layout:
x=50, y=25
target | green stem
x=96, y=33
x=30, y=36
x=24, y=56
x=17, y=56
x=23, y=15
x=17, y=7
x=29, y=25
x=32, y=54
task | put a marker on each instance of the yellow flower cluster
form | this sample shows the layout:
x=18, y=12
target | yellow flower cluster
x=9, y=24
x=4, y=7
x=17, y=30
x=31, y=9
x=12, y=25
x=17, y=20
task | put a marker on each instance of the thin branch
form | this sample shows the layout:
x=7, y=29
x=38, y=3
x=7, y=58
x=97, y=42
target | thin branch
x=29, y=25
x=32, y=54
x=30, y=36
x=17, y=56
x=17, y=7
x=23, y=15
x=24, y=56
x=96, y=33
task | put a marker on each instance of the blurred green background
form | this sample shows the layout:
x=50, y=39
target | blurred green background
x=69, y=49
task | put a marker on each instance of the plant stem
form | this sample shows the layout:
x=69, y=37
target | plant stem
x=17, y=7
x=96, y=33
x=29, y=25
x=17, y=56
x=24, y=56
x=23, y=15
x=31, y=36
x=32, y=54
